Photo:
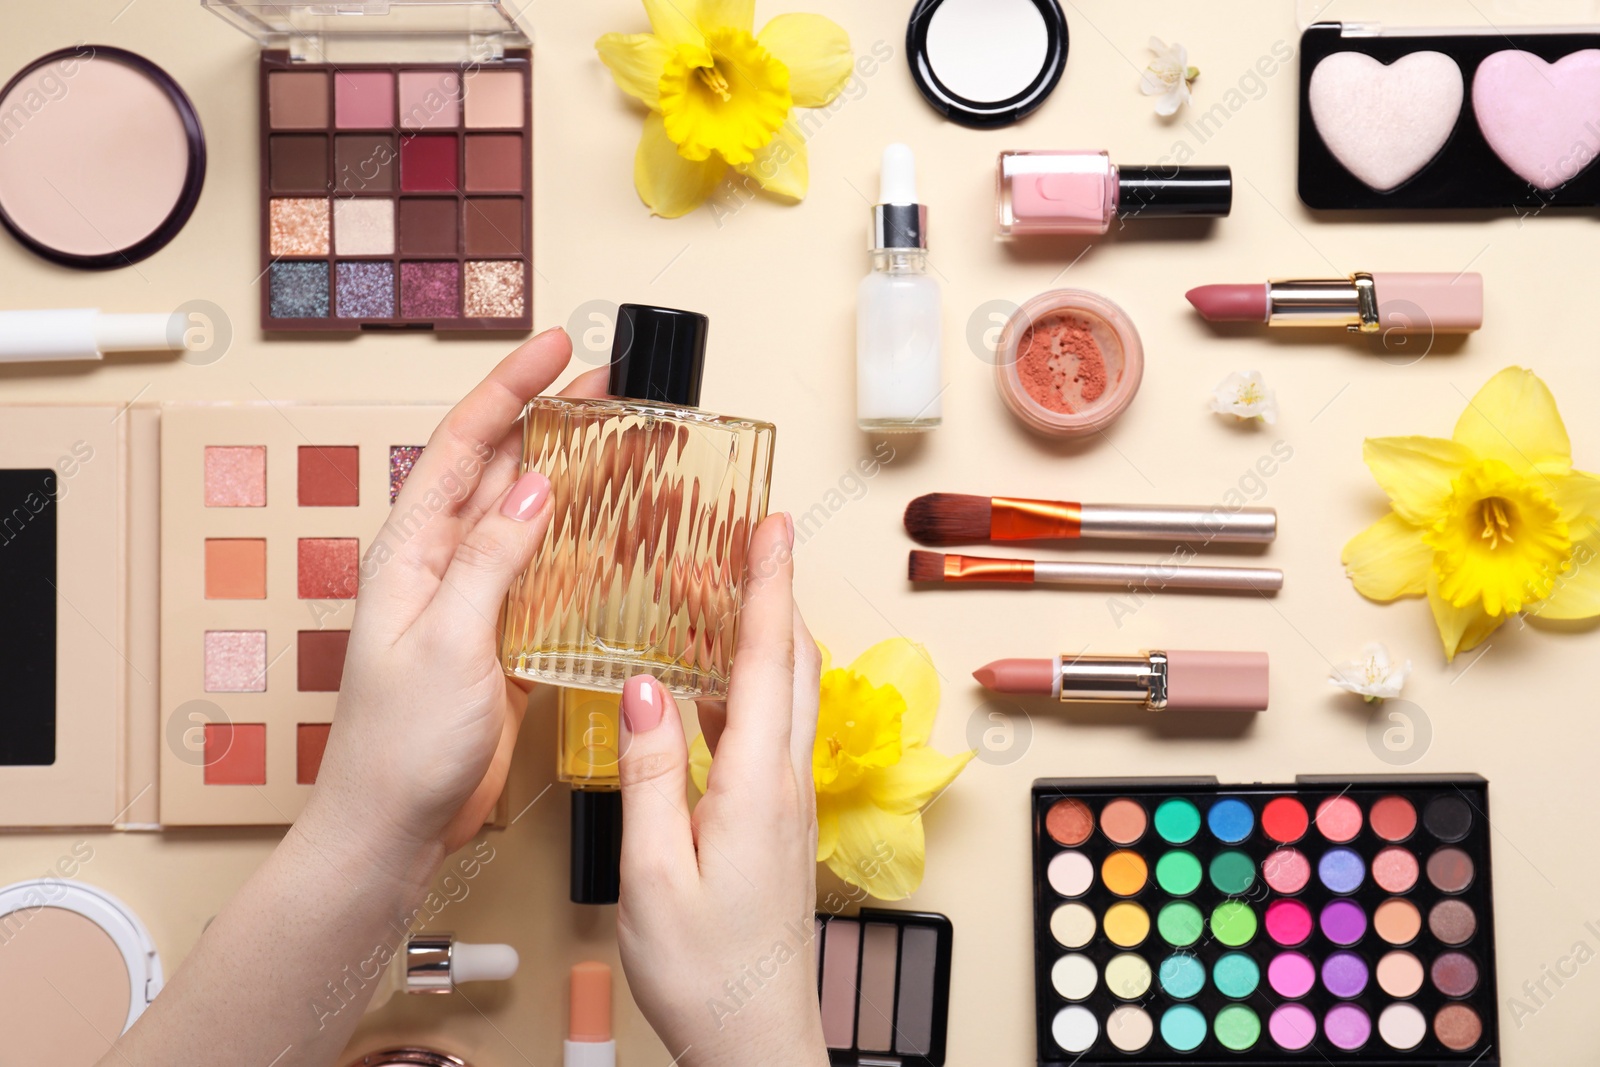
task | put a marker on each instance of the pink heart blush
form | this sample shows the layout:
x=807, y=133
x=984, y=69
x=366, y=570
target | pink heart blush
x=1542, y=119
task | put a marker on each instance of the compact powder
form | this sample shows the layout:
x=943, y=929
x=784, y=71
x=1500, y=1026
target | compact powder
x=986, y=63
x=63, y=984
x=1069, y=363
x=101, y=157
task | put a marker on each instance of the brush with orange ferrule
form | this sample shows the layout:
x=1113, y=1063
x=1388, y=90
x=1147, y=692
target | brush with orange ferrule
x=959, y=518
x=589, y=1042
x=949, y=568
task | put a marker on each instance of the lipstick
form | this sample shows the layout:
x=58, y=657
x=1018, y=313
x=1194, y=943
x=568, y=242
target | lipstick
x=1361, y=303
x=1156, y=681
x=589, y=1042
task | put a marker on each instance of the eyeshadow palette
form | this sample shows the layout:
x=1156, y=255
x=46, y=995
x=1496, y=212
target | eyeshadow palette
x=1332, y=920
x=396, y=195
x=192, y=570
x=1505, y=118
x=884, y=982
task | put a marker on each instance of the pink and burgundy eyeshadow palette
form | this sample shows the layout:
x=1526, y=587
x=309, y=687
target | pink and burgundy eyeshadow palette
x=396, y=195
x=1332, y=920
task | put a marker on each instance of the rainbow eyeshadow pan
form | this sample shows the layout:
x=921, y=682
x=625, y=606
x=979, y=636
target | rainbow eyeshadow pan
x=396, y=195
x=1341, y=920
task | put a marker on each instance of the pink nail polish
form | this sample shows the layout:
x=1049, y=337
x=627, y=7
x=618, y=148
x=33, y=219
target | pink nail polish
x=641, y=704
x=527, y=497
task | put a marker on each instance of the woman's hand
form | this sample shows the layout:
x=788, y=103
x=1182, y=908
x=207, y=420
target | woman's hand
x=426, y=719
x=716, y=916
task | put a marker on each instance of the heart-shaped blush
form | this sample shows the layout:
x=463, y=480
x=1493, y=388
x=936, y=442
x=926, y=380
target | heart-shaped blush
x=1542, y=119
x=1384, y=123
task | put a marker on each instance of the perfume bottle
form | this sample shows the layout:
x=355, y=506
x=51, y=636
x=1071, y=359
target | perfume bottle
x=588, y=740
x=654, y=503
x=898, y=344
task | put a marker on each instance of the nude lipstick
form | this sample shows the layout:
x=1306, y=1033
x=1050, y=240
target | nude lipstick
x=589, y=1042
x=1156, y=681
x=1361, y=303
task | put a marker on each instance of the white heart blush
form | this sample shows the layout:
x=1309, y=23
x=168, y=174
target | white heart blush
x=1542, y=119
x=1384, y=123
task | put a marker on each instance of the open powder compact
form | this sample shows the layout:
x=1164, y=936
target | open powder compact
x=1068, y=363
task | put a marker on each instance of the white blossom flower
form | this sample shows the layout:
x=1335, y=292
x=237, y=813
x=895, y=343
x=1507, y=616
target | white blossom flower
x=1244, y=395
x=1372, y=675
x=1168, y=76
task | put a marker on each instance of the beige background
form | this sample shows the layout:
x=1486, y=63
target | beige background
x=778, y=283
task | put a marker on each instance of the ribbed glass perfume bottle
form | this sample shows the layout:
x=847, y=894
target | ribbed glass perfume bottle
x=654, y=503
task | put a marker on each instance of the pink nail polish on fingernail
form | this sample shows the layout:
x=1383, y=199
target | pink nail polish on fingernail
x=527, y=497
x=788, y=524
x=641, y=704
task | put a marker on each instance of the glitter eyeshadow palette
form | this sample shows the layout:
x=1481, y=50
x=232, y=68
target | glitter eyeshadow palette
x=1412, y=119
x=179, y=584
x=884, y=982
x=1333, y=920
x=393, y=193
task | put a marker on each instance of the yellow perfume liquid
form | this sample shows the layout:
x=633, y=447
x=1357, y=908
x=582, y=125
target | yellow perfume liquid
x=654, y=502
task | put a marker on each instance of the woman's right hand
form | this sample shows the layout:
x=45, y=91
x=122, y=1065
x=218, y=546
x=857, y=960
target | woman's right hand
x=716, y=915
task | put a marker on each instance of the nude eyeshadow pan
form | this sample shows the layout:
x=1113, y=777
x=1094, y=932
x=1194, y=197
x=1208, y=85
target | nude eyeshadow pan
x=396, y=195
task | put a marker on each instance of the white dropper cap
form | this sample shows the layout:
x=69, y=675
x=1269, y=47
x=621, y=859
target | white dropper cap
x=898, y=180
x=482, y=963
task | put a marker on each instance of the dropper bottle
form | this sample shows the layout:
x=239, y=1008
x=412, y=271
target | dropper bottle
x=899, y=365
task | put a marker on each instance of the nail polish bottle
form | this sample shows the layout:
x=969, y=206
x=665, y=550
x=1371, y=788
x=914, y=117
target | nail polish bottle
x=653, y=504
x=899, y=365
x=1081, y=192
x=588, y=748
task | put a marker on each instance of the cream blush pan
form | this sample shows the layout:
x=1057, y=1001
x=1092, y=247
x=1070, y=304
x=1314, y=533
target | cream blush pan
x=101, y=157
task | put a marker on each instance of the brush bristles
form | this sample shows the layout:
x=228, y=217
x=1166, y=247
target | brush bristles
x=948, y=519
x=926, y=566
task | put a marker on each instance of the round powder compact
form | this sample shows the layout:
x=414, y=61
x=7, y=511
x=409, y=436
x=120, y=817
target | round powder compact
x=409, y=1057
x=101, y=157
x=62, y=937
x=1068, y=363
x=986, y=63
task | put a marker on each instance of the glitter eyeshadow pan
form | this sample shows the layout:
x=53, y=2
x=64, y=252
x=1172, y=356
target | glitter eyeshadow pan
x=396, y=195
x=1343, y=920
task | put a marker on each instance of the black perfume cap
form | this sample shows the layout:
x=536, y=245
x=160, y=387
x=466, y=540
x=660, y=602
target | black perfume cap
x=1174, y=192
x=657, y=354
x=596, y=845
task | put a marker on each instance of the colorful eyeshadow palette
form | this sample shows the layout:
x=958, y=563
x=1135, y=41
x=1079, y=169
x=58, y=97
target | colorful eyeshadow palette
x=884, y=982
x=1503, y=118
x=194, y=568
x=396, y=195
x=1334, y=920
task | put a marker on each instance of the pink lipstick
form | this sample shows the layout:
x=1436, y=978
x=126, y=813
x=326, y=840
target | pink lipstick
x=1157, y=681
x=1361, y=303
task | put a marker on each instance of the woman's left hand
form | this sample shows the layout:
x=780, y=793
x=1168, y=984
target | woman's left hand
x=426, y=719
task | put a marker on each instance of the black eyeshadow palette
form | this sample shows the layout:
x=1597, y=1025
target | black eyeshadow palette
x=1331, y=920
x=883, y=982
x=1413, y=120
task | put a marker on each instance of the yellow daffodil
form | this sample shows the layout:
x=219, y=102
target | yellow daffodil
x=719, y=95
x=873, y=770
x=1492, y=522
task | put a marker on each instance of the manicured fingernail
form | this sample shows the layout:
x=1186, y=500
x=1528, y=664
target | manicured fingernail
x=553, y=329
x=641, y=704
x=788, y=524
x=527, y=497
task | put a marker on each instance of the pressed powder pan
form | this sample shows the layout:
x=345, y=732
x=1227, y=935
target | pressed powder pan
x=101, y=157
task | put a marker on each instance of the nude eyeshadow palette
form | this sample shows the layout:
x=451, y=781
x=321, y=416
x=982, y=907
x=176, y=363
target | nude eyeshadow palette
x=1411, y=119
x=1331, y=920
x=190, y=572
x=396, y=195
x=883, y=979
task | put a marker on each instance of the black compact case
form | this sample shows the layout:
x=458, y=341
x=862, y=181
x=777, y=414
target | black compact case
x=1466, y=173
x=1464, y=799
x=883, y=979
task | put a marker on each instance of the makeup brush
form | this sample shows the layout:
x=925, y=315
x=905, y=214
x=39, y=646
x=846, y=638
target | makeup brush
x=958, y=518
x=1153, y=577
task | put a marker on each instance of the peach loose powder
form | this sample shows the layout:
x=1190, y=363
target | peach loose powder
x=1061, y=365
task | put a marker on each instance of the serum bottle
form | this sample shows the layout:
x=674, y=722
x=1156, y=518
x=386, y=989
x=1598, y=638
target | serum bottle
x=899, y=369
